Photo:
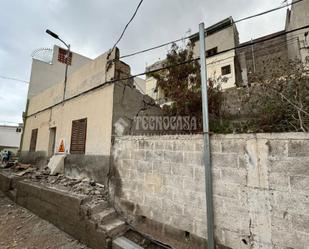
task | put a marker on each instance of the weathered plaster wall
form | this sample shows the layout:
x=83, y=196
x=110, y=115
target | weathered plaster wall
x=261, y=194
x=96, y=107
x=296, y=18
x=129, y=103
x=86, y=77
x=45, y=75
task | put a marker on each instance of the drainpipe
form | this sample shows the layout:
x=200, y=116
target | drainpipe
x=207, y=161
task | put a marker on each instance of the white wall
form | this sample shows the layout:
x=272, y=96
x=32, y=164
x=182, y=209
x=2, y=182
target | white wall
x=45, y=75
x=9, y=137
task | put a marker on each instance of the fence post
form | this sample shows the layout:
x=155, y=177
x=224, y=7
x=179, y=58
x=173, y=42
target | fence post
x=207, y=161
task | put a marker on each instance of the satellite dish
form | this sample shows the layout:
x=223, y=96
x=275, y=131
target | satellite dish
x=43, y=54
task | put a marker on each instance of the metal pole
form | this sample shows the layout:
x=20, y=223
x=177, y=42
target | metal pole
x=66, y=70
x=253, y=57
x=207, y=161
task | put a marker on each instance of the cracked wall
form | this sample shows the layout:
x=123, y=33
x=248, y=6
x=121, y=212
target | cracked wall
x=261, y=193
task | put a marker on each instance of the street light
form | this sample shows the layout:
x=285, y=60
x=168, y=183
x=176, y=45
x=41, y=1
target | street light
x=54, y=35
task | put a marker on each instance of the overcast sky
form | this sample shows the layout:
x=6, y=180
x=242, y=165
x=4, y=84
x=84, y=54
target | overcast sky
x=92, y=26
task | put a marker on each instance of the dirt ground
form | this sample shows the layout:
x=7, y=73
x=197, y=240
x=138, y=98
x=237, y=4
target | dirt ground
x=19, y=228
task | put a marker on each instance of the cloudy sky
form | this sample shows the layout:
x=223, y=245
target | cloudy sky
x=92, y=26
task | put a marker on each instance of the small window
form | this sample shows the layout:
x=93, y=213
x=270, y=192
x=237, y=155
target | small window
x=34, y=137
x=78, y=136
x=211, y=52
x=226, y=70
x=62, y=54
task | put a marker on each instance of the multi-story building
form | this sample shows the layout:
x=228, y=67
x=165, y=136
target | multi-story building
x=45, y=71
x=81, y=121
x=10, y=136
x=297, y=17
x=222, y=67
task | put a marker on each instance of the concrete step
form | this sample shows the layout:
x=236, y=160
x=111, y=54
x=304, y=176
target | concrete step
x=124, y=243
x=114, y=227
x=104, y=216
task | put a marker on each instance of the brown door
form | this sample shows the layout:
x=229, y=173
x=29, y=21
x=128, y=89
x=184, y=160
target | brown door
x=78, y=136
x=34, y=137
x=52, y=141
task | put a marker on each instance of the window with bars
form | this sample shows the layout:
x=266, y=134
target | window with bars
x=211, y=52
x=78, y=136
x=226, y=70
x=62, y=54
x=34, y=137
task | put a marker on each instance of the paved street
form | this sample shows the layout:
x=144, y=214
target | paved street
x=19, y=228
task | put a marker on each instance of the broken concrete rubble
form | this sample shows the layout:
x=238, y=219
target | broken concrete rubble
x=56, y=164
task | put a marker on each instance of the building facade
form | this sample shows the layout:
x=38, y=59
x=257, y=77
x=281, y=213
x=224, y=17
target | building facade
x=297, y=17
x=222, y=65
x=82, y=125
x=10, y=136
x=47, y=72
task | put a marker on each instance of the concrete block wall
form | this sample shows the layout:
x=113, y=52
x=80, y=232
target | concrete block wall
x=261, y=193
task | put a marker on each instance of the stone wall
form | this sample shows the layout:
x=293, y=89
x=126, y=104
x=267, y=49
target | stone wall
x=261, y=193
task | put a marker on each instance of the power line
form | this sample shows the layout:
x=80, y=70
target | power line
x=165, y=67
x=268, y=11
x=127, y=25
x=15, y=79
x=188, y=37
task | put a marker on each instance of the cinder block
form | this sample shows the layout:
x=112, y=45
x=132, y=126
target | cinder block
x=181, y=170
x=300, y=183
x=298, y=148
x=145, y=167
x=154, y=155
x=278, y=148
x=222, y=160
x=236, y=176
x=193, y=158
x=300, y=223
x=233, y=146
x=138, y=154
x=290, y=166
x=279, y=182
x=172, y=208
x=162, y=167
x=173, y=156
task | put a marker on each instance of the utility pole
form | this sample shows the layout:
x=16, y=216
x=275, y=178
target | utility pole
x=207, y=161
x=54, y=35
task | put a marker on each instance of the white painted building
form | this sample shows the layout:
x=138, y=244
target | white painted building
x=297, y=17
x=48, y=72
x=222, y=67
x=10, y=136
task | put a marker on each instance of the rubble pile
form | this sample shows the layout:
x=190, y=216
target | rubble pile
x=84, y=186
